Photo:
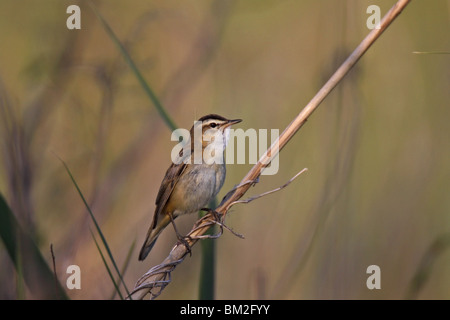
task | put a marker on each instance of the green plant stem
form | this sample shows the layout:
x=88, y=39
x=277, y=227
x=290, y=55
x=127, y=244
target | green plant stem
x=208, y=263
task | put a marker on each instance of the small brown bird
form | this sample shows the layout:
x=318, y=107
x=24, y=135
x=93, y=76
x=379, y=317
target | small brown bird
x=188, y=187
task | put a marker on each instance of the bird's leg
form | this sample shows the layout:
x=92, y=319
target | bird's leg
x=181, y=238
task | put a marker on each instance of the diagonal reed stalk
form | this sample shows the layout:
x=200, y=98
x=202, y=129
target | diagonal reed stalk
x=159, y=276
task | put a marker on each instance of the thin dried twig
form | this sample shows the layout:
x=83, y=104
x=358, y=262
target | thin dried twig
x=267, y=192
x=145, y=286
x=54, y=268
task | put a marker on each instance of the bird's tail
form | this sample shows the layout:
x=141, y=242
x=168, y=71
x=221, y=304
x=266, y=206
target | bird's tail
x=152, y=236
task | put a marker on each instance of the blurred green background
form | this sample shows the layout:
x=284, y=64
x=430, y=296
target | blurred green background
x=377, y=149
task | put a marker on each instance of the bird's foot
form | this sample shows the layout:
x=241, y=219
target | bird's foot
x=217, y=216
x=183, y=240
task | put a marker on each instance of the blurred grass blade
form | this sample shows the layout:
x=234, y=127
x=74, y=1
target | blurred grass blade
x=8, y=230
x=20, y=284
x=27, y=258
x=423, y=272
x=125, y=265
x=106, y=266
x=102, y=237
x=135, y=70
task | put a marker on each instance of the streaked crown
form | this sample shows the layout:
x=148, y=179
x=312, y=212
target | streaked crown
x=210, y=124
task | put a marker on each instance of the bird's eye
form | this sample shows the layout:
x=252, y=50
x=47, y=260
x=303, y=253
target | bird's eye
x=213, y=125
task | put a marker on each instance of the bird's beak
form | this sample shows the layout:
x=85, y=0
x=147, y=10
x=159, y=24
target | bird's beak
x=231, y=122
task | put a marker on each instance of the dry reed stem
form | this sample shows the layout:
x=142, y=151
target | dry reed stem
x=156, y=277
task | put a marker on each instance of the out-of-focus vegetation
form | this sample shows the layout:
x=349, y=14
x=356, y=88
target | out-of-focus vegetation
x=377, y=149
